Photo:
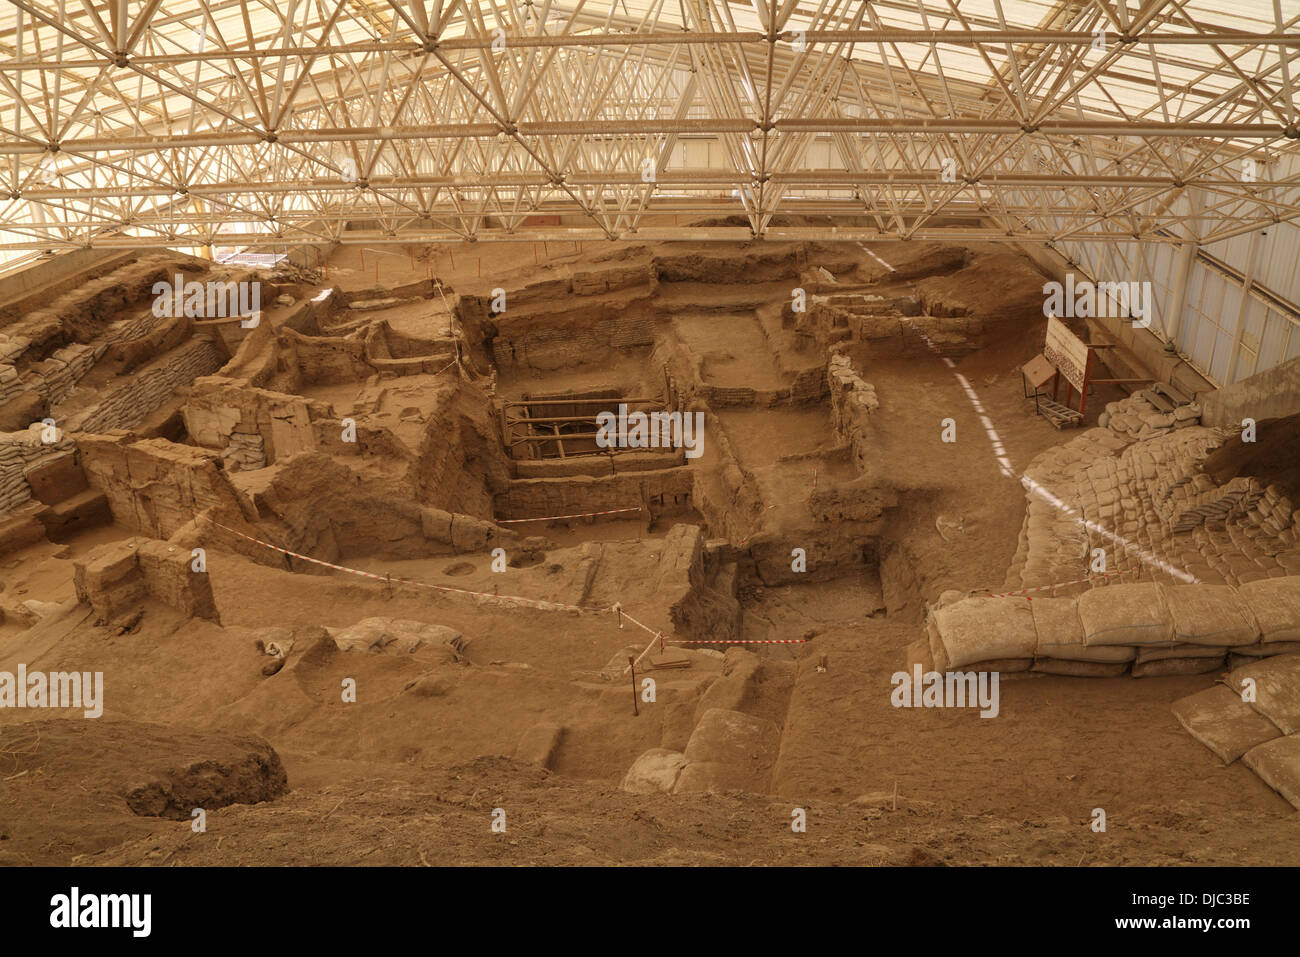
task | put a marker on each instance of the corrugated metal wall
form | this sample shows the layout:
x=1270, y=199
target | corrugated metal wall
x=1225, y=332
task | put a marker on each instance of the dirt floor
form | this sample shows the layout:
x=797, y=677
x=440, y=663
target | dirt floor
x=528, y=718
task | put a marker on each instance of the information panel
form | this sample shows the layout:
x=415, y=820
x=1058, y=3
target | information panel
x=1067, y=352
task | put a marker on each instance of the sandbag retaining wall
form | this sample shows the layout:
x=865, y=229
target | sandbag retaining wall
x=1142, y=628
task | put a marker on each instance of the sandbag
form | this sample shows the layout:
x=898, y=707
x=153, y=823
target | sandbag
x=1210, y=615
x=1275, y=603
x=1006, y=666
x=1180, y=650
x=1132, y=614
x=1060, y=635
x=1263, y=649
x=1168, y=667
x=1277, y=689
x=1080, y=669
x=986, y=629
x=1277, y=763
x=1224, y=723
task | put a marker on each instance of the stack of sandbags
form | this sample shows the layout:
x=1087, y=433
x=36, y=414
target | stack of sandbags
x=1012, y=633
x=14, y=489
x=1223, y=722
x=1136, y=616
x=983, y=634
x=1207, y=621
x=11, y=347
x=1138, y=417
x=1275, y=605
x=64, y=369
x=1154, y=629
x=1254, y=714
x=1061, y=648
x=1274, y=511
x=11, y=382
x=245, y=453
x=18, y=450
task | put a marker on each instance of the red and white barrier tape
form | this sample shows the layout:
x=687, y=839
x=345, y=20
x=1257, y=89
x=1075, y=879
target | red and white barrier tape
x=1077, y=581
x=515, y=599
x=556, y=518
x=658, y=638
x=738, y=641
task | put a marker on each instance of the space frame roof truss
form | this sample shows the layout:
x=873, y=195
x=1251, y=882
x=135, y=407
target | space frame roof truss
x=203, y=122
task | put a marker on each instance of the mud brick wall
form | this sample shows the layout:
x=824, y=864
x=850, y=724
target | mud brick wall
x=721, y=397
x=218, y=409
x=77, y=314
x=460, y=465
x=537, y=498
x=696, y=610
x=383, y=341
x=128, y=280
x=831, y=550
x=21, y=527
x=325, y=359
x=757, y=264
x=624, y=331
x=421, y=289
x=806, y=388
x=53, y=378
x=810, y=385
x=327, y=511
x=885, y=335
x=686, y=367
x=108, y=578
x=888, y=328
x=827, y=324
x=412, y=365
x=127, y=407
x=853, y=402
x=464, y=533
x=153, y=486
x=561, y=342
x=593, y=282
x=565, y=321
x=738, y=507
x=116, y=577
x=170, y=578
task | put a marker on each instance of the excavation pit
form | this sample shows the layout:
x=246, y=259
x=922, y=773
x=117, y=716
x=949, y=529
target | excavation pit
x=410, y=465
